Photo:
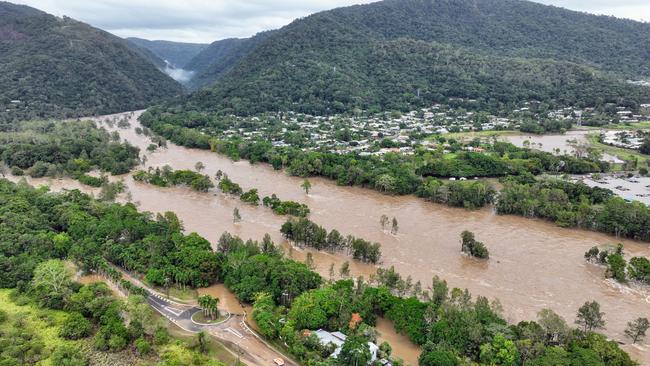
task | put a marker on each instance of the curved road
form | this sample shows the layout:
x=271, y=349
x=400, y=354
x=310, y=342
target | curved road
x=232, y=332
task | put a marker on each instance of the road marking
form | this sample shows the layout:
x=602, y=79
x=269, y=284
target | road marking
x=177, y=313
x=236, y=333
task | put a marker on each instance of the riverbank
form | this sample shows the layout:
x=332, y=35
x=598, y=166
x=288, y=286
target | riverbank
x=534, y=264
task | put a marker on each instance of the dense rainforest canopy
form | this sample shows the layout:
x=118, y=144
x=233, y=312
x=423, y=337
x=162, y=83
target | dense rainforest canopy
x=59, y=67
x=44, y=148
x=405, y=54
x=178, y=54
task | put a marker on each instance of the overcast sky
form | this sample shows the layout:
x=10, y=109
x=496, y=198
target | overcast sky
x=210, y=20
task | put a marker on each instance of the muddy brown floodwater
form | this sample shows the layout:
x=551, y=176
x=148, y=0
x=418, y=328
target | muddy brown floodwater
x=550, y=143
x=533, y=264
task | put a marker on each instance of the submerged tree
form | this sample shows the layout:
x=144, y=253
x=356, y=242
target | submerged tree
x=636, y=329
x=590, y=317
x=383, y=221
x=309, y=261
x=395, y=227
x=473, y=247
x=306, y=185
x=344, y=272
x=236, y=216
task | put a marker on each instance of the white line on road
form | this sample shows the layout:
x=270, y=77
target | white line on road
x=236, y=333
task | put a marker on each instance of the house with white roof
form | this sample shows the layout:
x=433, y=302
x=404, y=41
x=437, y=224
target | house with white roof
x=338, y=338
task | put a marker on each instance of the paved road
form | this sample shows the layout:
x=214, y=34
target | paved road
x=233, y=331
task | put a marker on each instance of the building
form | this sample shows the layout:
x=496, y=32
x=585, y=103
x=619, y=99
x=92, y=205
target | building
x=337, y=339
x=645, y=109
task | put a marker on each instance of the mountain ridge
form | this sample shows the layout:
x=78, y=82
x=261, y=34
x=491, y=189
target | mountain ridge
x=59, y=67
x=323, y=63
x=178, y=54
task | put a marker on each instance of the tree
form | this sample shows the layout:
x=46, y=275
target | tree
x=636, y=329
x=500, y=351
x=645, y=147
x=309, y=261
x=67, y=355
x=354, y=352
x=344, y=272
x=199, y=166
x=616, y=267
x=306, y=185
x=554, y=326
x=75, y=326
x=590, y=317
x=142, y=346
x=138, y=308
x=236, y=217
x=473, y=247
x=395, y=227
x=438, y=357
x=51, y=283
x=383, y=221
x=209, y=304
x=439, y=291
x=203, y=341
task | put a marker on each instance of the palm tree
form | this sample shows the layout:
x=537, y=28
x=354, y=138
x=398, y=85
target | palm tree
x=214, y=307
x=209, y=305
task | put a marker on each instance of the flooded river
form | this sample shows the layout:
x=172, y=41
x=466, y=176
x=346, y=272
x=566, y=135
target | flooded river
x=533, y=264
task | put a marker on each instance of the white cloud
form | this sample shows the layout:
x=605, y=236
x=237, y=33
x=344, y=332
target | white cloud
x=210, y=20
x=631, y=9
x=186, y=20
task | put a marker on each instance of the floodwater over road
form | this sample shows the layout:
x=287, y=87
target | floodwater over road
x=533, y=264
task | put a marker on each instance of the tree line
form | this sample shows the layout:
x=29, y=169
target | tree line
x=305, y=232
x=637, y=269
x=49, y=148
x=571, y=204
x=167, y=177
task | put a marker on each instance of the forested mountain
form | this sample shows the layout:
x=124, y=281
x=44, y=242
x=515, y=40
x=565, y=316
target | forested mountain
x=59, y=67
x=178, y=54
x=149, y=55
x=401, y=54
x=220, y=57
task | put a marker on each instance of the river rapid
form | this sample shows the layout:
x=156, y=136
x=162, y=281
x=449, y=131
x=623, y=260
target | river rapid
x=533, y=264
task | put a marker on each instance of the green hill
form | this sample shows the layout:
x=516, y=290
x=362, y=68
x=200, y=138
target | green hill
x=59, y=67
x=220, y=57
x=401, y=54
x=178, y=54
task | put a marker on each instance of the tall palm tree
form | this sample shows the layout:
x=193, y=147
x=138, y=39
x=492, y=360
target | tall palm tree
x=204, y=303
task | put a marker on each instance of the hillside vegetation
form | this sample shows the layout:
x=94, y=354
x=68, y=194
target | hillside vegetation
x=409, y=53
x=218, y=58
x=178, y=54
x=59, y=67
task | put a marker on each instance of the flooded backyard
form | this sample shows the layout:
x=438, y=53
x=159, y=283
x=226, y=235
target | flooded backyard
x=533, y=264
x=557, y=144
